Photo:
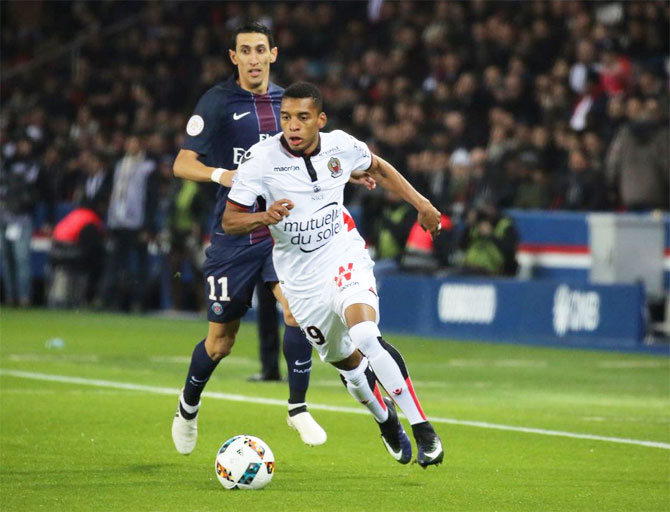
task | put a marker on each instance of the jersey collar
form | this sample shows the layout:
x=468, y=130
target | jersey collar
x=300, y=154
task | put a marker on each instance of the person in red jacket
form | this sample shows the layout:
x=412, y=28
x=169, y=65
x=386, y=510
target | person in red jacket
x=76, y=257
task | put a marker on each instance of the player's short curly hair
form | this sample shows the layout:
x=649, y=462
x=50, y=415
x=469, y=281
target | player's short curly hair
x=249, y=28
x=305, y=90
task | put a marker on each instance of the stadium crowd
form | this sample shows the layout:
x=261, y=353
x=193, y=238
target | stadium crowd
x=538, y=104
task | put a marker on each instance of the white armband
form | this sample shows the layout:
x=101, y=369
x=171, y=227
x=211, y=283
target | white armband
x=216, y=175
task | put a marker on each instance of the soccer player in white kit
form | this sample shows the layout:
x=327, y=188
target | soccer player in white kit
x=323, y=267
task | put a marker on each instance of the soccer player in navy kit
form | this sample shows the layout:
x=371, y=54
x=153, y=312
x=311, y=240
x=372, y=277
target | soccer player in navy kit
x=228, y=119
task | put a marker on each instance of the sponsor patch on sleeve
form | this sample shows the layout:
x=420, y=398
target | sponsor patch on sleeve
x=195, y=125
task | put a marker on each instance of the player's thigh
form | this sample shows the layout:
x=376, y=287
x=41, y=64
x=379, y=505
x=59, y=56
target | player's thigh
x=230, y=275
x=322, y=326
x=354, y=283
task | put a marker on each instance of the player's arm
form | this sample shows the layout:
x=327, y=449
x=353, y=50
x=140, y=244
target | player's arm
x=237, y=220
x=187, y=166
x=389, y=178
x=363, y=179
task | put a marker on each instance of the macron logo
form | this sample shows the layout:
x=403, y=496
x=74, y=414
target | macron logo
x=237, y=117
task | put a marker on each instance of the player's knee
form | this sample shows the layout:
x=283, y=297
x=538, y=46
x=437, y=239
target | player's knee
x=365, y=336
x=219, y=347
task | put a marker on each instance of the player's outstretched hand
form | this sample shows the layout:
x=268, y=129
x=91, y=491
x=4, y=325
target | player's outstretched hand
x=277, y=211
x=430, y=218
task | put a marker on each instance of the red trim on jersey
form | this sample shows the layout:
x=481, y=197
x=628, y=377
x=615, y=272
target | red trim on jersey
x=408, y=380
x=378, y=396
x=349, y=221
x=239, y=205
x=265, y=113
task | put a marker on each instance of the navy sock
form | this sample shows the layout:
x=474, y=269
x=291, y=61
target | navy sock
x=199, y=372
x=298, y=355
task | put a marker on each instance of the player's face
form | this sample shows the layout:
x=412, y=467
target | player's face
x=300, y=123
x=253, y=57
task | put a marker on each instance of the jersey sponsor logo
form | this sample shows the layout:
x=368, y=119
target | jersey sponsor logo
x=344, y=273
x=467, y=304
x=195, y=125
x=314, y=233
x=575, y=310
x=287, y=168
x=217, y=308
x=246, y=157
x=335, y=167
x=335, y=149
x=237, y=117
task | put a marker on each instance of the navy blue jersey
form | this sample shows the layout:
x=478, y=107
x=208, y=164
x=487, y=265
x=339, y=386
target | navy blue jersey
x=226, y=122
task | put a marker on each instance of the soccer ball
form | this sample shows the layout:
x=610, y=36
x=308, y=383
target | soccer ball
x=244, y=462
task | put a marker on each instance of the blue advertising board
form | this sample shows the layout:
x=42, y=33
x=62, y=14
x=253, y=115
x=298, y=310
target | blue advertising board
x=535, y=312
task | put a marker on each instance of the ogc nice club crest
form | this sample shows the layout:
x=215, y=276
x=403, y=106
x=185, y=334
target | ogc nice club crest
x=335, y=167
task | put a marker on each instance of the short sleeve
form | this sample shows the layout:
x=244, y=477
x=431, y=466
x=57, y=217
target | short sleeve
x=248, y=181
x=202, y=125
x=361, y=154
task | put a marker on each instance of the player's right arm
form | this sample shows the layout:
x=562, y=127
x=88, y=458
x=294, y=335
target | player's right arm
x=187, y=166
x=237, y=220
x=203, y=133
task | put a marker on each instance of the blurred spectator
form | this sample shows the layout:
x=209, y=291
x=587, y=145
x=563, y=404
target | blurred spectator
x=22, y=184
x=76, y=259
x=94, y=183
x=590, y=106
x=614, y=68
x=585, y=188
x=638, y=161
x=534, y=187
x=489, y=241
x=586, y=55
x=130, y=221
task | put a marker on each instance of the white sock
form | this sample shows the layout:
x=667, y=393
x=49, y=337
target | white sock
x=190, y=409
x=365, y=336
x=360, y=388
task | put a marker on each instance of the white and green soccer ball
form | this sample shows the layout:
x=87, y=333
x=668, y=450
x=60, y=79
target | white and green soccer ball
x=244, y=462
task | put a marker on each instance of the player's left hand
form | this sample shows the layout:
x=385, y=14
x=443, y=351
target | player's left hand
x=430, y=219
x=363, y=179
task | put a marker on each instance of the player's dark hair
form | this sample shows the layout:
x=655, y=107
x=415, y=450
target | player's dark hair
x=305, y=90
x=250, y=28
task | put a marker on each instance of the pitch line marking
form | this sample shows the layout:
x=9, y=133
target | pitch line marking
x=322, y=407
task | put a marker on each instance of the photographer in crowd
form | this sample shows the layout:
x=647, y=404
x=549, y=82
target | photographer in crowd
x=489, y=242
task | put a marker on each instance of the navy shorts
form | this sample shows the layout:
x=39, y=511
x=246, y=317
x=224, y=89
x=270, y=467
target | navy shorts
x=231, y=273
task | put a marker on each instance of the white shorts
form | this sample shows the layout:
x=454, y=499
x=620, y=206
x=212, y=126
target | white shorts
x=321, y=316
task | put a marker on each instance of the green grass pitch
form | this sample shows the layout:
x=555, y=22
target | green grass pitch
x=68, y=445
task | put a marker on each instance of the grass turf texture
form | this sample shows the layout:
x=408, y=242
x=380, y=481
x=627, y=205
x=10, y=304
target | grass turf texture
x=66, y=446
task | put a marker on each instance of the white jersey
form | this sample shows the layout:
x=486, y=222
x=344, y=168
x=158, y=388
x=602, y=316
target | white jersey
x=312, y=238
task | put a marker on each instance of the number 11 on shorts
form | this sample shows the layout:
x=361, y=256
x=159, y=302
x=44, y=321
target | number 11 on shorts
x=223, y=281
